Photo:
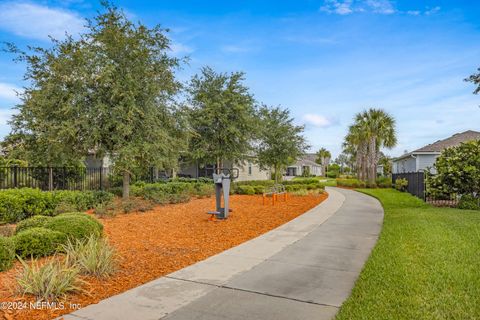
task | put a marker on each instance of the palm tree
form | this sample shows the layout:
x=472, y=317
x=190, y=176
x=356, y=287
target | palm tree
x=323, y=157
x=373, y=129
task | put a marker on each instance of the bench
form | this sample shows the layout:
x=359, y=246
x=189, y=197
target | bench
x=275, y=191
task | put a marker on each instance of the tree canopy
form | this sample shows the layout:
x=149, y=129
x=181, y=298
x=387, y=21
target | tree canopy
x=280, y=141
x=109, y=92
x=475, y=79
x=458, y=170
x=222, y=117
x=372, y=130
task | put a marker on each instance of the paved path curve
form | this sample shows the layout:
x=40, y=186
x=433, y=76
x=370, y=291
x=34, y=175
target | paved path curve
x=304, y=269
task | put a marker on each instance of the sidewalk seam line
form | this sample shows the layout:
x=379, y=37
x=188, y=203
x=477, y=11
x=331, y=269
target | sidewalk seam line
x=255, y=292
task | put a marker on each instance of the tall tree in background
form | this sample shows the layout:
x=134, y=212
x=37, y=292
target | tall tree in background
x=222, y=116
x=475, y=79
x=109, y=92
x=372, y=130
x=280, y=141
x=323, y=158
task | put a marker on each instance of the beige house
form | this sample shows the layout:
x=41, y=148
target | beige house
x=305, y=165
x=248, y=170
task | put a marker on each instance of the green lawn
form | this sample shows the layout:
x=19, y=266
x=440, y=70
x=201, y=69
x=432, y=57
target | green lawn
x=426, y=264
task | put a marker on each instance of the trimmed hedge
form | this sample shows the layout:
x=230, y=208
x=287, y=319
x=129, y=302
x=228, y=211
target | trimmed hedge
x=33, y=222
x=75, y=225
x=169, y=192
x=20, y=204
x=38, y=242
x=7, y=253
x=469, y=202
x=351, y=183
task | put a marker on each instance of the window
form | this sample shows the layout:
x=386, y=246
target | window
x=249, y=168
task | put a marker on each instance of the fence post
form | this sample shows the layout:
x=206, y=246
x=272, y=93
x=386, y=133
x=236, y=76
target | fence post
x=50, y=178
x=15, y=178
x=101, y=178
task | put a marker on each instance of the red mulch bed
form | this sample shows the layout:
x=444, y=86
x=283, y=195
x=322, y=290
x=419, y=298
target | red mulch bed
x=166, y=239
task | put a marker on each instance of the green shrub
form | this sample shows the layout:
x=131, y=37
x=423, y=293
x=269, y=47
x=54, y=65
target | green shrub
x=105, y=210
x=203, y=189
x=469, y=202
x=33, y=222
x=245, y=189
x=19, y=204
x=136, y=204
x=92, y=257
x=7, y=230
x=401, y=184
x=384, y=182
x=38, y=242
x=332, y=174
x=75, y=225
x=82, y=200
x=351, y=183
x=48, y=281
x=259, y=189
x=7, y=253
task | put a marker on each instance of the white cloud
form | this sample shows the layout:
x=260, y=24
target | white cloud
x=381, y=6
x=235, y=49
x=414, y=12
x=8, y=91
x=179, y=48
x=432, y=11
x=38, y=22
x=338, y=6
x=317, y=120
x=344, y=7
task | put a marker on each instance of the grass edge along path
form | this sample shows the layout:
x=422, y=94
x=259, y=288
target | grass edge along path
x=426, y=264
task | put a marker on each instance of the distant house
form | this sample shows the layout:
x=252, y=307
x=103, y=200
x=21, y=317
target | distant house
x=248, y=170
x=305, y=164
x=424, y=158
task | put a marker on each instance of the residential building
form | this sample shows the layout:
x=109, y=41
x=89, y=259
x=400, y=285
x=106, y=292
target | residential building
x=424, y=158
x=305, y=165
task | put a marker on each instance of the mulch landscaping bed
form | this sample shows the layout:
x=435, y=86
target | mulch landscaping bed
x=166, y=239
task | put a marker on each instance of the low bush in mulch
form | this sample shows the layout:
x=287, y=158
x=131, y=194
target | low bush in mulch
x=169, y=192
x=20, y=204
x=7, y=253
x=48, y=281
x=35, y=221
x=38, y=242
x=261, y=186
x=40, y=236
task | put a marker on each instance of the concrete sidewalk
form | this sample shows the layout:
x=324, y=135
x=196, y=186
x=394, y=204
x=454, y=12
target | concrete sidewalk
x=304, y=269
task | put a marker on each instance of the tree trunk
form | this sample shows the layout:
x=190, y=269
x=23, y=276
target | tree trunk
x=218, y=166
x=126, y=185
x=372, y=161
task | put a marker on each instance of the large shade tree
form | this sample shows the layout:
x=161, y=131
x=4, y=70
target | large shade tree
x=280, y=141
x=222, y=117
x=108, y=92
x=372, y=130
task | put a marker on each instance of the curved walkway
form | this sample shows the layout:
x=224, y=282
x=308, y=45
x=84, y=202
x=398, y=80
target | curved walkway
x=304, y=269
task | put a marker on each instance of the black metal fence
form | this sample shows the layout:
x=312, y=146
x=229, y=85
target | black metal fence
x=54, y=178
x=416, y=182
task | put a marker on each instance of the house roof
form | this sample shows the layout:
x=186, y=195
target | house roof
x=306, y=161
x=440, y=145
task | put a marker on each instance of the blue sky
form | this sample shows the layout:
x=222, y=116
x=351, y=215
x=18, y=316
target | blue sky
x=324, y=60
